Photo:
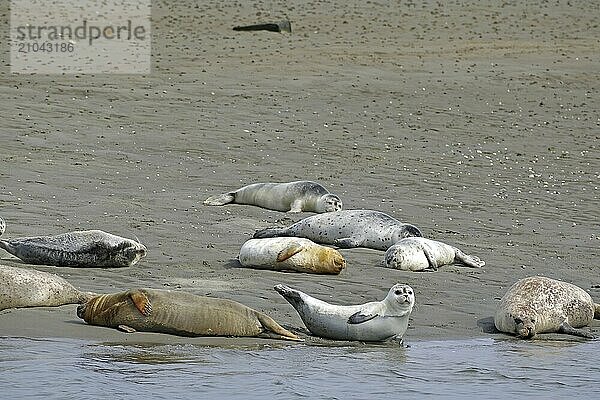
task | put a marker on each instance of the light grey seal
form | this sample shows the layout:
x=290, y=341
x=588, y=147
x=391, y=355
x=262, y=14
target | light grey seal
x=293, y=197
x=541, y=305
x=291, y=254
x=93, y=248
x=20, y=287
x=419, y=254
x=347, y=229
x=371, y=322
x=179, y=313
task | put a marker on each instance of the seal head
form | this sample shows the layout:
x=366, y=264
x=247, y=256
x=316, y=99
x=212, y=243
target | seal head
x=329, y=203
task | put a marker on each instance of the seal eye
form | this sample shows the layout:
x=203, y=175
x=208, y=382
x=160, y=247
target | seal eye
x=398, y=292
x=518, y=321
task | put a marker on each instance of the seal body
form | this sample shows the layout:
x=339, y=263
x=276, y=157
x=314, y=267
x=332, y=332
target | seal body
x=541, y=305
x=20, y=287
x=93, y=248
x=348, y=229
x=291, y=254
x=292, y=196
x=419, y=254
x=370, y=322
x=178, y=313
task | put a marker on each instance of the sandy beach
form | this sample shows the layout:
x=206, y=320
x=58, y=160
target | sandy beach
x=475, y=121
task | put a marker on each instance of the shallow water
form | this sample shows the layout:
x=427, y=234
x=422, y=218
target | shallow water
x=61, y=368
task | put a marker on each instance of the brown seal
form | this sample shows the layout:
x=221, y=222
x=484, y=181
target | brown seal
x=179, y=313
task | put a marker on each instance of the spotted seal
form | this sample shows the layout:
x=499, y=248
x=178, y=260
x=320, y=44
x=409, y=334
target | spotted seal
x=292, y=196
x=93, y=248
x=419, y=254
x=347, y=229
x=291, y=254
x=371, y=322
x=541, y=305
x=179, y=313
x=20, y=287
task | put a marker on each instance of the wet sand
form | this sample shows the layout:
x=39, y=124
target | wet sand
x=477, y=122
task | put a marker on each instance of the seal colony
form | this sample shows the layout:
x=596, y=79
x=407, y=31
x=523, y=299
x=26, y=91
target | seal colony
x=538, y=304
x=347, y=229
x=291, y=254
x=531, y=306
x=292, y=197
x=179, y=313
x=420, y=254
x=20, y=287
x=371, y=322
x=92, y=248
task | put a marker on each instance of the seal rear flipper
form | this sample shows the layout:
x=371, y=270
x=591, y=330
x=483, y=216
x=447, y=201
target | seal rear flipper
x=8, y=247
x=126, y=329
x=220, y=200
x=347, y=243
x=290, y=251
x=274, y=330
x=569, y=330
x=359, y=318
x=468, y=260
x=269, y=233
x=141, y=302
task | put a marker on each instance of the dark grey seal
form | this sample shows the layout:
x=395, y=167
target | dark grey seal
x=93, y=248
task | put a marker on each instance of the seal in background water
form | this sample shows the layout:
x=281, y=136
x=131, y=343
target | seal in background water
x=292, y=196
x=370, y=322
x=179, y=313
x=542, y=305
x=347, y=229
x=20, y=287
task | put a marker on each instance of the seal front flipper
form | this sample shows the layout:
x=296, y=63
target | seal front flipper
x=469, y=261
x=126, y=329
x=220, y=200
x=296, y=206
x=569, y=330
x=430, y=258
x=290, y=251
x=358, y=317
x=141, y=302
x=348, y=243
